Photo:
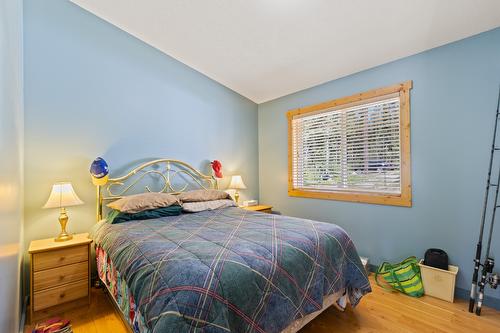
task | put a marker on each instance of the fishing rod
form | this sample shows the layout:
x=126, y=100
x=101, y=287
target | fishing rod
x=487, y=276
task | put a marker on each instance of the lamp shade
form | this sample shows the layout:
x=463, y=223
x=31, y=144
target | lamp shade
x=237, y=183
x=62, y=195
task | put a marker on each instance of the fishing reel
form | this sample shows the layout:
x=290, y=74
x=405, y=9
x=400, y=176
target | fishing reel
x=492, y=279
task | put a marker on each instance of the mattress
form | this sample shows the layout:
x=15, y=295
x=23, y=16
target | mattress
x=227, y=270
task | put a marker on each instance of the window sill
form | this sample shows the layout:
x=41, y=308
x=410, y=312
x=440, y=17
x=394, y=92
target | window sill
x=371, y=198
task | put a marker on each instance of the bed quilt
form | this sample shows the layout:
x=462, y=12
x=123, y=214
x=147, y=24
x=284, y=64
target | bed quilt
x=230, y=270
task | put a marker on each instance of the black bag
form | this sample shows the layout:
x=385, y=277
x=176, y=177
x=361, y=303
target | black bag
x=436, y=258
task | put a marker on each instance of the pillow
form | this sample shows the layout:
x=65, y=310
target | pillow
x=203, y=195
x=144, y=201
x=116, y=217
x=195, y=207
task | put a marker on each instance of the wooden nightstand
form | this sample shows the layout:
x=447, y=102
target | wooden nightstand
x=59, y=273
x=260, y=208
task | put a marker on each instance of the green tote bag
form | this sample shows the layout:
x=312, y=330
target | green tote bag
x=404, y=276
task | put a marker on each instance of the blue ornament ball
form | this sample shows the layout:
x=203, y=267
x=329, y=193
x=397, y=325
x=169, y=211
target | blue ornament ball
x=99, y=171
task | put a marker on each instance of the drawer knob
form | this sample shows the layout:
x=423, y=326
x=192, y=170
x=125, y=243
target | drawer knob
x=62, y=258
x=61, y=277
x=62, y=295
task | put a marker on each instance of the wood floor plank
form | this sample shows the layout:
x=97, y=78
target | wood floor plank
x=379, y=311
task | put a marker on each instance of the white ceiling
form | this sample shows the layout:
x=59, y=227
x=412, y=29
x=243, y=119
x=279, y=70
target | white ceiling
x=264, y=49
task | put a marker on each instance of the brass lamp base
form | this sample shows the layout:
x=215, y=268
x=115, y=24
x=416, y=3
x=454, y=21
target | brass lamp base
x=63, y=237
x=63, y=220
x=237, y=197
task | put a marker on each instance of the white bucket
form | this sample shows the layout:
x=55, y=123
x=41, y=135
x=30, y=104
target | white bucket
x=438, y=282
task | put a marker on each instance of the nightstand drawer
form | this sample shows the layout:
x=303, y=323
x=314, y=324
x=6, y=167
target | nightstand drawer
x=65, y=293
x=57, y=276
x=57, y=258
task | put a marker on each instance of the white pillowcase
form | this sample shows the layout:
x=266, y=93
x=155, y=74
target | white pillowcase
x=195, y=207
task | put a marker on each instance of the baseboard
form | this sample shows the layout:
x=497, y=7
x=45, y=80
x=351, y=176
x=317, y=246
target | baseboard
x=372, y=268
x=22, y=320
x=489, y=301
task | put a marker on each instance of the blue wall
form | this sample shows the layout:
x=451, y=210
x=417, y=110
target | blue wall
x=453, y=101
x=93, y=90
x=11, y=167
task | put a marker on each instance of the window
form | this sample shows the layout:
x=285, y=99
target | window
x=355, y=148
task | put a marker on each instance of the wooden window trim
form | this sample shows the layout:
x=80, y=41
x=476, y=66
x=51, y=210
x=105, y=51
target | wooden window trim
x=405, y=198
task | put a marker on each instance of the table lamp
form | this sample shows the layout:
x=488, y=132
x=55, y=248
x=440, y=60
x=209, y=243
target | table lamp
x=237, y=184
x=63, y=196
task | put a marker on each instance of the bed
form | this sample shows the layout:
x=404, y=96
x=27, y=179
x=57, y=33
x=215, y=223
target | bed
x=223, y=270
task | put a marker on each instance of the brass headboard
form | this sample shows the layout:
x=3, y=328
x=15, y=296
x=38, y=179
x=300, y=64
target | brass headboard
x=172, y=175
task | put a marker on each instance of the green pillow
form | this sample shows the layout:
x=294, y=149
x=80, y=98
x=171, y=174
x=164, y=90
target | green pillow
x=115, y=216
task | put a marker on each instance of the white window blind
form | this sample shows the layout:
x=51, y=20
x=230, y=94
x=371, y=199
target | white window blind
x=352, y=148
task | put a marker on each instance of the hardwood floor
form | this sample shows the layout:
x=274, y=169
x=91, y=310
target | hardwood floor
x=99, y=317
x=383, y=311
x=380, y=311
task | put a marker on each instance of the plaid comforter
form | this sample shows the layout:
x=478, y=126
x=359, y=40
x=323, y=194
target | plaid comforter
x=231, y=270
